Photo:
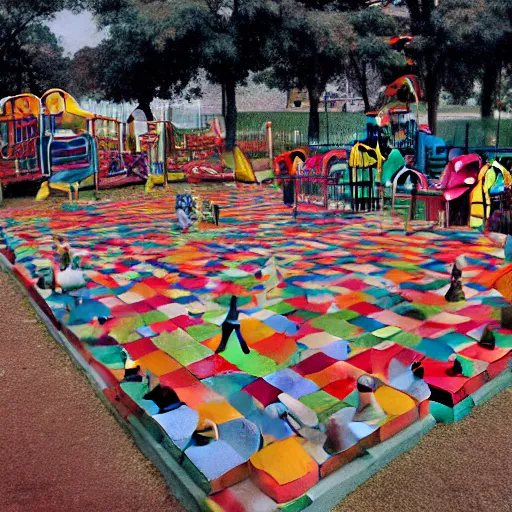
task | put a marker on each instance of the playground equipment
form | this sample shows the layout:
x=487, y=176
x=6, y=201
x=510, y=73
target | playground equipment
x=51, y=139
x=395, y=123
x=492, y=181
x=20, y=143
x=323, y=179
x=336, y=180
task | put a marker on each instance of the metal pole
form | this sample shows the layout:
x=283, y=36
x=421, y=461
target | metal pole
x=499, y=118
x=466, y=149
x=269, y=141
x=326, y=119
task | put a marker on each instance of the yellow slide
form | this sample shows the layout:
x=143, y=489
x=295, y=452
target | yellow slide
x=243, y=168
x=46, y=187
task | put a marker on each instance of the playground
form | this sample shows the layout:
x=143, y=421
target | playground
x=324, y=301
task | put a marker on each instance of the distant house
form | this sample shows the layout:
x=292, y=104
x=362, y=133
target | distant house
x=298, y=99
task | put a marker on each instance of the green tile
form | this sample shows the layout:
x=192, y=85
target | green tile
x=282, y=308
x=386, y=332
x=190, y=353
x=152, y=317
x=204, y=331
x=406, y=339
x=366, y=340
x=171, y=341
x=319, y=401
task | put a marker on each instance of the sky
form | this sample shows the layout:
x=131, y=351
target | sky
x=75, y=30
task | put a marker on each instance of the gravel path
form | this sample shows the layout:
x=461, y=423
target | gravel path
x=60, y=449
x=461, y=467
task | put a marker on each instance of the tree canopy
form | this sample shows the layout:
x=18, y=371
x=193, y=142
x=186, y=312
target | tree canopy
x=371, y=49
x=31, y=57
x=307, y=51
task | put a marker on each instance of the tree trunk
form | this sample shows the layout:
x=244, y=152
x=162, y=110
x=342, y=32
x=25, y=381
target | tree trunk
x=314, y=116
x=362, y=80
x=433, y=92
x=231, y=114
x=223, y=92
x=364, y=89
x=489, y=85
x=145, y=106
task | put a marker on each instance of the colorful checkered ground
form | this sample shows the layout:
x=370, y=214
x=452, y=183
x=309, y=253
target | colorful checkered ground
x=306, y=287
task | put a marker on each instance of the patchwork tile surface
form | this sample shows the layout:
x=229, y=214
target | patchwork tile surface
x=322, y=300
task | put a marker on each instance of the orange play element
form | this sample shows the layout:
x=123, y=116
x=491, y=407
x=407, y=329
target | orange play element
x=213, y=343
x=103, y=280
x=427, y=298
x=232, y=477
x=400, y=276
x=345, y=301
x=335, y=372
x=284, y=493
x=158, y=363
x=144, y=290
x=284, y=470
x=196, y=395
x=253, y=330
x=394, y=402
x=278, y=347
x=285, y=461
x=501, y=280
x=218, y=412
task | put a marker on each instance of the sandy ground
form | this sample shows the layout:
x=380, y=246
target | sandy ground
x=60, y=449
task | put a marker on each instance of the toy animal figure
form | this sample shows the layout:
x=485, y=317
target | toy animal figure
x=455, y=293
x=164, y=397
x=66, y=275
x=369, y=409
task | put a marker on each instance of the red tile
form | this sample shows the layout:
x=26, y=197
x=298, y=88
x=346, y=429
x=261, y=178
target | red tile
x=211, y=366
x=165, y=326
x=314, y=364
x=365, y=308
x=262, y=391
x=178, y=379
x=140, y=348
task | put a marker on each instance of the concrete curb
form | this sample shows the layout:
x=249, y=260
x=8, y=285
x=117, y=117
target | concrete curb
x=331, y=490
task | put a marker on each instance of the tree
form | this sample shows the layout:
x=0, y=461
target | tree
x=492, y=35
x=30, y=55
x=444, y=47
x=372, y=29
x=226, y=39
x=307, y=51
x=86, y=76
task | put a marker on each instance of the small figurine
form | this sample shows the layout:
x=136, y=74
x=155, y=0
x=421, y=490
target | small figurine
x=67, y=275
x=182, y=212
x=455, y=293
x=232, y=324
x=456, y=369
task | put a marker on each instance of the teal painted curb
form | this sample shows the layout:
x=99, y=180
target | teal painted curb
x=444, y=414
x=332, y=489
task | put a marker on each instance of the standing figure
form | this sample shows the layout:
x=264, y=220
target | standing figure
x=455, y=293
x=232, y=324
x=182, y=213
